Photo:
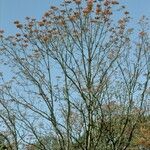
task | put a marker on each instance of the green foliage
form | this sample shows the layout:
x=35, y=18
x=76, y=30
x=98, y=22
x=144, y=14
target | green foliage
x=2, y=143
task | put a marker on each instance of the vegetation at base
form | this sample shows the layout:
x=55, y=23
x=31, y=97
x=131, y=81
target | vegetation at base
x=79, y=79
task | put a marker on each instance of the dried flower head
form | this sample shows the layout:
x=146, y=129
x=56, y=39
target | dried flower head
x=16, y=22
x=126, y=12
x=142, y=33
x=46, y=14
x=41, y=23
x=78, y=2
x=86, y=10
x=68, y=1
x=107, y=12
x=30, y=25
x=25, y=45
x=115, y=2
x=98, y=10
x=107, y=3
x=90, y=5
x=72, y=18
x=45, y=38
x=54, y=8
x=90, y=2
x=19, y=26
x=18, y=34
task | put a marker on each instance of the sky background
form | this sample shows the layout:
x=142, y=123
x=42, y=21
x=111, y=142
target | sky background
x=11, y=10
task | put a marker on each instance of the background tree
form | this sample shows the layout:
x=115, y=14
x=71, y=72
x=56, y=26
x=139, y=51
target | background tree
x=8, y=130
x=142, y=135
x=79, y=76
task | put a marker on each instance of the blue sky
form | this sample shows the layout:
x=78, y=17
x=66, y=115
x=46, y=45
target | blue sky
x=11, y=10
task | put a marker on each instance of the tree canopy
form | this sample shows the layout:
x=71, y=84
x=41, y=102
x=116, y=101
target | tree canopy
x=79, y=79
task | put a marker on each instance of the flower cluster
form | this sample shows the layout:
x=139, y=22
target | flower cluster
x=89, y=7
x=18, y=24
